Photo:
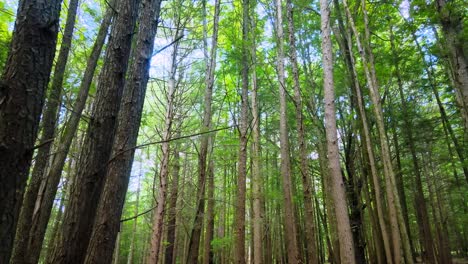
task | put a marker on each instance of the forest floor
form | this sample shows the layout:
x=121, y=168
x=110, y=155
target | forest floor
x=460, y=261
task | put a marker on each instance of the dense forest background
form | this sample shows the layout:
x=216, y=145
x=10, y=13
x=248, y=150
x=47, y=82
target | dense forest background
x=245, y=131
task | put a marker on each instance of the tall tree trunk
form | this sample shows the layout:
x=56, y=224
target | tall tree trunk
x=399, y=234
x=107, y=223
x=257, y=176
x=420, y=202
x=208, y=251
x=21, y=253
x=194, y=244
x=369, y=148
x=289, y=214
x=159, y=213
x=338, y=191
x=309, y=223
x=81, y=211
x=22, y=91
x=239, y=214
x=170, y=253
x=48, y=188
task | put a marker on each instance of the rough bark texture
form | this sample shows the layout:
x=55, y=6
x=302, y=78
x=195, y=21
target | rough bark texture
x=257, y=176
x=96, y=150
x=48, y=188
x=170, y=253
x=194, y=244
x=110, y=207
x=239, y=214
x=22, y=253
x=22, y=91
x=338, y=191
x=209, y=234
x=289, y=215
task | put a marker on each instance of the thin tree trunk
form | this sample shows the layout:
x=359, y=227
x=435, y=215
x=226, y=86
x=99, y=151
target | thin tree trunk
x=21, y=253
x=157, y=228
x=420, y=202
x=257, y=177
x=399, y=234
x=289, y=214
x=96, y=151
x=370, y=153
x=208, y=251
x=240, y=211
x=22, y=91
x=338, y=191
x=170, y=253
x=309, y=223
x=194, y=243
x=49, y=184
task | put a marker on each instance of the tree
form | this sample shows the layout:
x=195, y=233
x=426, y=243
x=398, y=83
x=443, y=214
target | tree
x=336, y=181
x=109, y=211
x=289, y=214
x=21, y=252
x=95, y=154
x=22, y=92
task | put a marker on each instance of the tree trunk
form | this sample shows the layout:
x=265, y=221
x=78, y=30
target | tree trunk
x=194, y=244
x=420, y=202
x=309, y=223
x=289, y=214
x=257, y=177
x=338, y=191
x=208, y=251
x=49, y=184
x=22, y=91
x=109, y=211
x=170, y=253
x=81, y=211
x=240, y=211
x=399, y=234
x=21, y=253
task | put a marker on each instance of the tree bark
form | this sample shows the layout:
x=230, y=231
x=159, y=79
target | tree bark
x=209, y=235
x=338, y=191
x=22, y=91
x=170, y=253
x=21, y=253
x=289, y=214
x=309, y=223
x=96, y=151
x=240, y=211
x=49, y=184
x=257, y=176
x=109, y=211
